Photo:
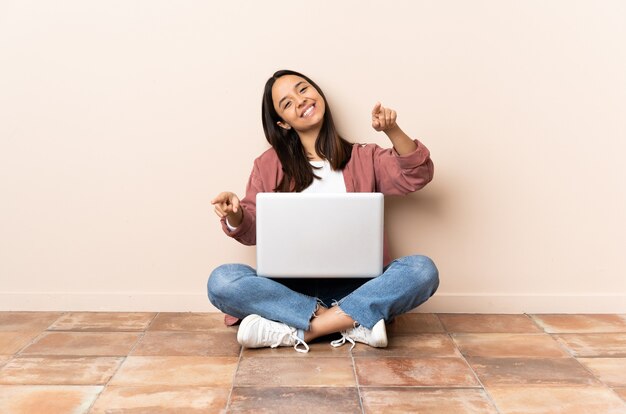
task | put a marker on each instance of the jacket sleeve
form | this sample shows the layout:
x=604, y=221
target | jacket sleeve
x=245, y=233
x=402, y=174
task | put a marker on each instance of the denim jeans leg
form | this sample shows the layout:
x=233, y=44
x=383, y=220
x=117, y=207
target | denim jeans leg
x=405, y=284
x=236, y=289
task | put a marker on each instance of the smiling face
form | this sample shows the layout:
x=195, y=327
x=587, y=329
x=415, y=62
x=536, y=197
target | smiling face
x=298, y=103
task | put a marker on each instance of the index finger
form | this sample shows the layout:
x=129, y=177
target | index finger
x=218, y=198
x=376, y=109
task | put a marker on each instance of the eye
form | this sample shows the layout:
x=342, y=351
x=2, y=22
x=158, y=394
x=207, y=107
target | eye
x=287, y=105
x=303, y=89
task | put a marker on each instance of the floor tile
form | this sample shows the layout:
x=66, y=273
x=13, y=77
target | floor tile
x=288, y=400
x=561, y=323
x=295, y=371
x=611, y=371
x=499, y=345
x=317, y=350
x=187, y=362
x=4, y=359
x=431, y=372
x=27, y=321
x=415, y=346
x=420, y=400
x=556, y=400
x=102, y=321
x=48, y=399
x=191, y=322
x=413, y=323
x=59, y=370
x=594, y=345
x=176, y=371
x=84, y=343
x=12, y=342
x=526, y=371
x=161, y=399
x=188, y=343
x=487, y=323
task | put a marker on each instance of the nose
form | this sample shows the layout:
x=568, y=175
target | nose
x=300, y=101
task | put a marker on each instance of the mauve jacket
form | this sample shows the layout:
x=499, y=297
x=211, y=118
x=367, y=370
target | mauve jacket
x=370, y=169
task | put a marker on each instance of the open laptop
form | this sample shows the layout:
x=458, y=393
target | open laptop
x=319, y=235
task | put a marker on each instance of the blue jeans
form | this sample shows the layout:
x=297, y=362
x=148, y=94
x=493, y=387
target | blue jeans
x=406, y=283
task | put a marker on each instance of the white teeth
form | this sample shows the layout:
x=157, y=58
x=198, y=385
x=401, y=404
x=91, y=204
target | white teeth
x=308, y=111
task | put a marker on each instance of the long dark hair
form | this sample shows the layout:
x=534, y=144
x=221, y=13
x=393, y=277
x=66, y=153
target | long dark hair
x=298, y=172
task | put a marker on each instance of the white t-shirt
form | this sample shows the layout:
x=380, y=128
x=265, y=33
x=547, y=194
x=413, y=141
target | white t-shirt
x=329, y=182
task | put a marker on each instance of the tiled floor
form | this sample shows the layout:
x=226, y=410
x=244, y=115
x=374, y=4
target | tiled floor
x=191, y=363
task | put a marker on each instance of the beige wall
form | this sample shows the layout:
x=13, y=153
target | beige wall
x=119, y=120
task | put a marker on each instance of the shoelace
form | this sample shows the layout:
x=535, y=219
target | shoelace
x=301, y=342
x=358, y=333
x=339, y=342
x=297, y=340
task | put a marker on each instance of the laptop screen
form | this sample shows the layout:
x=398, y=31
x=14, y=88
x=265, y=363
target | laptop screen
x=319, y=235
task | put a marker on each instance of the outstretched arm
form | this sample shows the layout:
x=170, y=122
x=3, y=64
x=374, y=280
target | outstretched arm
x=227, y=205
x=384, y=119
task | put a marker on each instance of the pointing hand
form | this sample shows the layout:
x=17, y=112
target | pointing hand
x=383, y=118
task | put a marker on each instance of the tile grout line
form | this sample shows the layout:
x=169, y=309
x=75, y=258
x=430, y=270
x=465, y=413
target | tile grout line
x=35, y=339
x=563, y=346
x=611, y=389
x=104, y=386
x=531, y=317
x=232, y=387
x=452, y=335
x=482, y=386
x=583, y=365
x=567, y=351
x=615, y=392
x=356, y=380
x=18, y=353
x=570, y=352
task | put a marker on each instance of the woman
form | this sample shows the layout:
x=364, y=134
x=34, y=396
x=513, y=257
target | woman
x=308, y=155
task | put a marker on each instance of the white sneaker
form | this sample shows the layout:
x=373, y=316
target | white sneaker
x=258, y=332
x=376, y=337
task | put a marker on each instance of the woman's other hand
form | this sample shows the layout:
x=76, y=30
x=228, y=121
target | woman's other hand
x=226, y=204
x=383, y=119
